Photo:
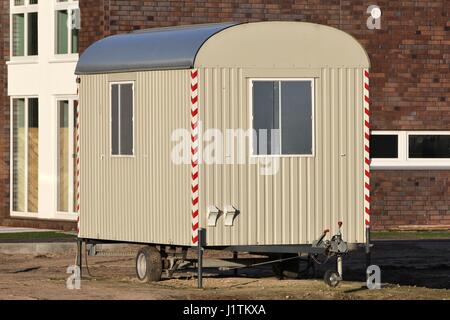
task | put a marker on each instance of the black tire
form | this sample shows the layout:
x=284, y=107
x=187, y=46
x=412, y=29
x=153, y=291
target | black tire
x=148, y=264
x=331, y=278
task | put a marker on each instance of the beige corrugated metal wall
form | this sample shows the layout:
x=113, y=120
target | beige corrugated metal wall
x=308, y=195
x=144, y=198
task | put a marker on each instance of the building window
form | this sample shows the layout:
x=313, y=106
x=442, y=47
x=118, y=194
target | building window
x=66, y=143
x=24, y=28
x=67, y=25
x=25, y=154
x=429, y=146
x=122, y=120
x=282, y=116
x=384, y=146
x=410, y=149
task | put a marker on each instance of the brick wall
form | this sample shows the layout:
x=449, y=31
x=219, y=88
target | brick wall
x=410, y=78
x=411, y=199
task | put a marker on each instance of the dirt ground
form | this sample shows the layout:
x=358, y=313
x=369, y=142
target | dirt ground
x=410, y=270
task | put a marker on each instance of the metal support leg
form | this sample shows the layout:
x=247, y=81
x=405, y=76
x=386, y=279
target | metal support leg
x=201, y=234
x=368, y=257
x=235, y=256
x=80, y=255
x=339, y=266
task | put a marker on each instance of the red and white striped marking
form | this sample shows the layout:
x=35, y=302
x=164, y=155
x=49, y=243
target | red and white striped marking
x=366, y=149
x=77, y=146
x=194, y=155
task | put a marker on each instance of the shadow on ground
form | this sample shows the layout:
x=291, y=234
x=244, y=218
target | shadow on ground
x=422, y=263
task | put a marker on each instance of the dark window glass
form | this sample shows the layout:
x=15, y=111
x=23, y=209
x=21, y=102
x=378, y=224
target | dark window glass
x=296, y=117
x=429, y=146
x=32, y=34
x=266, y=117
x=122, y=119
x=384, y=146
x=282, y=108
x=126, y=119
x=115, y=119
x=33, y=113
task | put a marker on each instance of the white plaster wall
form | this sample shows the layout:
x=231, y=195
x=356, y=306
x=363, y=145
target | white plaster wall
x=46, y=76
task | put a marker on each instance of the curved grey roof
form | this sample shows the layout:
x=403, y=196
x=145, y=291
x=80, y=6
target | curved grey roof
x=152, y=49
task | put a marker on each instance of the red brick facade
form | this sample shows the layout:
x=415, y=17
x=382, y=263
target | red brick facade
x=410, y=78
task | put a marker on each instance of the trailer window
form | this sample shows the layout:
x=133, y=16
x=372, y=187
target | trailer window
x=282, y=117
x=122, y=119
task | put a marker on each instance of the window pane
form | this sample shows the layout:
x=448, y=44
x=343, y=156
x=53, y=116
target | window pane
x=32, y=34
x=74, y=29
x=296, y=117
x=63, y=155
x=19, y=2
x=266, y=117
x=126, y=119
x=33, y=154
x=74, y=40
x=384, y=146
x=429, y=146
x=18, y=35
x=19, y=131
x=115, y=119
x=61, y=32
x=33, y=1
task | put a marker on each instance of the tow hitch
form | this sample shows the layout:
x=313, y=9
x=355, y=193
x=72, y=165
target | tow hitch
x=336, y=246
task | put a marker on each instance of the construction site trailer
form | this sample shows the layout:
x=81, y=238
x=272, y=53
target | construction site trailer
x=297, y=92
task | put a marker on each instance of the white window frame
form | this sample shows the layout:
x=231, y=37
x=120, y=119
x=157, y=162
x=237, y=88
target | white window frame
x=313, y=120
x=110, y=120
x=404, y=161
x=70, y=6
x=65, y=215
x=25, y=9
x=26, y=213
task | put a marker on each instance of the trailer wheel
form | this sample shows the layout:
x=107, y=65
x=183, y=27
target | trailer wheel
x=331, y=278
x=148, y=264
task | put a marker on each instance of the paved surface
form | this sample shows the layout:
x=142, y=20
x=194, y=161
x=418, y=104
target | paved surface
x=410, y=270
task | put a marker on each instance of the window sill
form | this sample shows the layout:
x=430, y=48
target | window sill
x=22, y=60
x=66, y=216
x=60, y=216
x=15, y=214
x=64, y=58
x=410, y=166
x=282, y=156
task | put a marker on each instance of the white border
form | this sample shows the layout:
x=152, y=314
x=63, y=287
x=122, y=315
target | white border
x=26, y=213
x=111, y=83
x=313, y=118
x=403, y=162
x=24, y=9
x=70, y=214
x=70, y=6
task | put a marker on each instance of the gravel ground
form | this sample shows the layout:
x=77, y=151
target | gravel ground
x=410, y=270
